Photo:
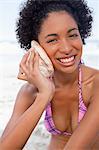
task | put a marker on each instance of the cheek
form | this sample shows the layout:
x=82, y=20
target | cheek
x=50, y=50
x=47, y=47
x=81, y=48
x=79, y=45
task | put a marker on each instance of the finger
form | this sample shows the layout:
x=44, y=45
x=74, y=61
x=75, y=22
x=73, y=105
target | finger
x=31, y=61
x=23, y=66
x=22, y=76
x=25, y=58
x=30, y=58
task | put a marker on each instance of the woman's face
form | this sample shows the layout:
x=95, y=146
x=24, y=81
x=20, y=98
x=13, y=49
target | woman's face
x=60, y=38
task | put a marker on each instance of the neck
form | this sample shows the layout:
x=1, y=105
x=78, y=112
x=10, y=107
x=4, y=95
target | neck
x=63, y=79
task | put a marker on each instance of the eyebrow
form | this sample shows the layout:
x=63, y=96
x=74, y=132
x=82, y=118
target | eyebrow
x=54, y=34
x=72, y=30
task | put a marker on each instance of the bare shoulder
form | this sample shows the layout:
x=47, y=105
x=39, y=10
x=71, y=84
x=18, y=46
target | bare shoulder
x=90, y=76
x=89, y=73
x=25, y=98
x=96, y=82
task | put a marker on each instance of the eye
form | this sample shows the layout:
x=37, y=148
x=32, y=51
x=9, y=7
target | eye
x=73, y=35
x=52, y=41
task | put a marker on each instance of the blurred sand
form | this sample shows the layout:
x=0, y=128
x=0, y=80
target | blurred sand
x=39, y=139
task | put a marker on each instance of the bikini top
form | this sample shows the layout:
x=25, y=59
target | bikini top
x=48, y=121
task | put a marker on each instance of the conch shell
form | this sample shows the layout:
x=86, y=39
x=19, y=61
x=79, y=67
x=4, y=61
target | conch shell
x=45, y=64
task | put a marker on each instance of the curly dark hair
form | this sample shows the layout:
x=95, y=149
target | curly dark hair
x=33, y=13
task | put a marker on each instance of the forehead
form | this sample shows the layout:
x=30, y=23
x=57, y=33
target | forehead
x=57, y=21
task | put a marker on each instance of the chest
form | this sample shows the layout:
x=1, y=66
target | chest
x=65, y=109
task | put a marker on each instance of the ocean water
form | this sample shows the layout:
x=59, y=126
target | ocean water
x=10, y=56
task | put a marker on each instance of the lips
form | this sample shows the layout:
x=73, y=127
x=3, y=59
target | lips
x=67, y=61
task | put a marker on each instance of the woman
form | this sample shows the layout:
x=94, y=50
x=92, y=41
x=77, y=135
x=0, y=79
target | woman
x=71, y=97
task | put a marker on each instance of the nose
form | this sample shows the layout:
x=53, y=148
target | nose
x=65, y=47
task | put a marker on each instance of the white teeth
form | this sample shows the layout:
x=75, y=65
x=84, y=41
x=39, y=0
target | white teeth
x=66, y=60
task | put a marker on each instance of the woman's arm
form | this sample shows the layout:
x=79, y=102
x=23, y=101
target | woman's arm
x=26, y=116
x=27, y=112
x=85, y=135
x=24, y=100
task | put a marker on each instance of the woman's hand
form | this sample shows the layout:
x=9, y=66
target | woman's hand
x=29, y=71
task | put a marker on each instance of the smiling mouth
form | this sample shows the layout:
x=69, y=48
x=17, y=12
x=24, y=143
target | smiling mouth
x=67, y=61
